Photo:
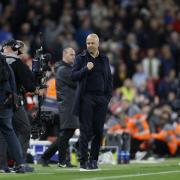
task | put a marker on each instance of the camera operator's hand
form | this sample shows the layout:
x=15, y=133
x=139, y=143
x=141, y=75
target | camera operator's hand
x=90, y=65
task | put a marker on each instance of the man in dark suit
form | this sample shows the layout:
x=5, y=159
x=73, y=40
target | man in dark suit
x=65, y=89
x=92, y=72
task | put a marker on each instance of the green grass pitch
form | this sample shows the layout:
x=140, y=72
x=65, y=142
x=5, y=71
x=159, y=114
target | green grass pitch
x=165, y=170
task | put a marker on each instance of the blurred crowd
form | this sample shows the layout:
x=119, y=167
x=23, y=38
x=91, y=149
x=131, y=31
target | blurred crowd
x=142, y=41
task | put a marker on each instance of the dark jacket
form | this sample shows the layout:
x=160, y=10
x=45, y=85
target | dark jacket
x=80, y=73
x=6, y=87
x=65, y=89
x=23, y=75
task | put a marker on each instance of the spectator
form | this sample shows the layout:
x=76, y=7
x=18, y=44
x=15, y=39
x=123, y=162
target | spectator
x=151, y=65
x=139, y=77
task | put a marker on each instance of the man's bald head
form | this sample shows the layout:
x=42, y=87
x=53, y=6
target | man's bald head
x=69, y=55
x=93, y=36
x=92, y=43
x=66, y=50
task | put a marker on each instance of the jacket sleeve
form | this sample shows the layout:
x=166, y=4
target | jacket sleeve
x=78, y=71
x=109, y=83
x=63, y=76
x=24, y=76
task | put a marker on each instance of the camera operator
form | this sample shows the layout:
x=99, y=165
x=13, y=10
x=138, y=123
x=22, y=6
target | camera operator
x=7, y=101
x=12, y=49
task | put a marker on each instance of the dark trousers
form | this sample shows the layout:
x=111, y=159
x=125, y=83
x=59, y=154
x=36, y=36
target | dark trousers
x=51, y=150
x=12, y=141
x=92, y=116
x=160, y=148
x=135, y=146
x=61, y=144
x=3, y=152
x=22, y=128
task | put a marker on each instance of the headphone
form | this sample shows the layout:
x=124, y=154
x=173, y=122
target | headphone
x=15, y=45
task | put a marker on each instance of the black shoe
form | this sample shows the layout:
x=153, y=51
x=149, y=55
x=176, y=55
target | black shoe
x=92, y=165
x=62, y=165
x=20, y=168
x=84, y=166
x=43, y=162
x=66, y=165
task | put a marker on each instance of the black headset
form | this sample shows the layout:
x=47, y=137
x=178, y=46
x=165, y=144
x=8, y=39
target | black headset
x=15, y=45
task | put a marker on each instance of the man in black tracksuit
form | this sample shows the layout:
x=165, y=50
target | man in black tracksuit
x=65, y=89
x=92, y=72
x=24, y=80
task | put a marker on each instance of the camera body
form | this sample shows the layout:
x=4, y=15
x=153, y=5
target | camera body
x=46, y=125
x=40, y=65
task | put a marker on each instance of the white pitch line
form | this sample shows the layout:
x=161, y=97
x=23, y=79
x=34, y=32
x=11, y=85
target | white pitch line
x=131, y=175
x=64, y=169
x=77, y=169
x=43, y=173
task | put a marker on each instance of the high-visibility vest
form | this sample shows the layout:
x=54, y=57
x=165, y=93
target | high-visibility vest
x=138, y=127
x=51, y=88
x=117, y=128
x=167, y=136
x=127, y=93
x=177, y=134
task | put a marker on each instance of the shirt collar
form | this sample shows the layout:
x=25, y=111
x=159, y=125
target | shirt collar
x=92, y=56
